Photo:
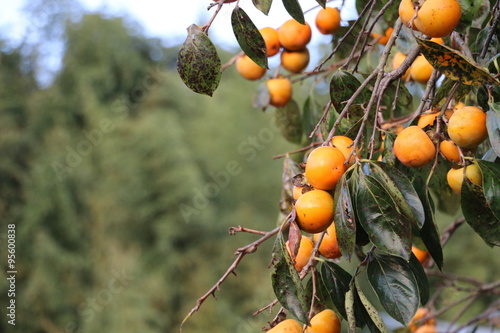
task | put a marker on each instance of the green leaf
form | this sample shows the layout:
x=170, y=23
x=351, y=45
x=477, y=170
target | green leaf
x=263, y=5
x=395, y=285
x=401, y=191
x=444, y=91
x=491, y=185
x=379, y=217
x=388, y=152
x=289, y=121
x=478, y=213
x=479, y=41
x=342, y=86
x=350, y=311
x=469, y=11
x=353, y=185
x=286, y=282
x=322, y=294
x=398, y=99
x=198, y=63
x=405, y=41
x=349, y=126
x=421, y=278
x=322, y=3
x=454, y=65
x=493, y=127
x=373, y=321
x=429, y=232
x=293, y=8
x=248, y=36
x=336, y=282
x=345, y=220
x=310, y=114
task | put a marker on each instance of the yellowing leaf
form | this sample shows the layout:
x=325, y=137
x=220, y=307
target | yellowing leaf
x=454, y=65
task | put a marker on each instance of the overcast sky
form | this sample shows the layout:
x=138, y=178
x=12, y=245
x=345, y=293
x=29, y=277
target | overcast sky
x=160, y=19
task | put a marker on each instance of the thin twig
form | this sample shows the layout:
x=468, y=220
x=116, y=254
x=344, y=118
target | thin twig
x=342, y=39
x=296, y=151
x=209, y=23
x=231, y=61
x=450, y=230
x=363, y=28
x=269, y=306
x=312, y=258
x=350, y=102
x=240, y=253
x=234, y=230
x=313, y=296
x=460, y=313
x=322, y=119
x=492, y=31
x=426, y=97
x=492, y=309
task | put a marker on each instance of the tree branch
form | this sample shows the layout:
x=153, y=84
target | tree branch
x=240, y=253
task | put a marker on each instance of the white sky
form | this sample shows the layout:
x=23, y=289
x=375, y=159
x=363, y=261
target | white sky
x=159, y=19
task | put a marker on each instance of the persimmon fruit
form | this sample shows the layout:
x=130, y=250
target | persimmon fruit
x=383, y=39
x=248, y=69
x=325, y=321
x=450, y=151
x=270, y=36
x=329, y=247
x=421, y=313
x=345, y=145
x=315, y=210
x=421, y=70
x=435, y=18
x=413, y=147
x=324, y=167
x=280, y=91
x=438, y=18
x=306, y=247
x=467, y=127
x=421, y=255
x=294, y=36
x=397, y=60
x=295, y=61
x=426, y=329
x=455, y=177
x=297, y=192
x=428, y=118
x=287, y=326
x=328, y=20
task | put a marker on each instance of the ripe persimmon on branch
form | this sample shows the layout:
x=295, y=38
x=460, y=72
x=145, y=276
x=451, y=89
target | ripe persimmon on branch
x=412, y=114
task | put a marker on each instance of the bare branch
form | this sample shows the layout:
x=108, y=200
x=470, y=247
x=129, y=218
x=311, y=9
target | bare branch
x=240, y=253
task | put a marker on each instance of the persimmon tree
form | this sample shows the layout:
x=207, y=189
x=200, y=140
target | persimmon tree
x=400, y=150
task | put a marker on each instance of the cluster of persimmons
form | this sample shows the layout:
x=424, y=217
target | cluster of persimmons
x=290, y=40
x=462, y=129
x=453, y=133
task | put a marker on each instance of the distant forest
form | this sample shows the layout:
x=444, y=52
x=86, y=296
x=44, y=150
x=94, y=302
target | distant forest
x=122, y=184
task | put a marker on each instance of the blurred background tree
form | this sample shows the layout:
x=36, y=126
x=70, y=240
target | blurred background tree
x=95, y=169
